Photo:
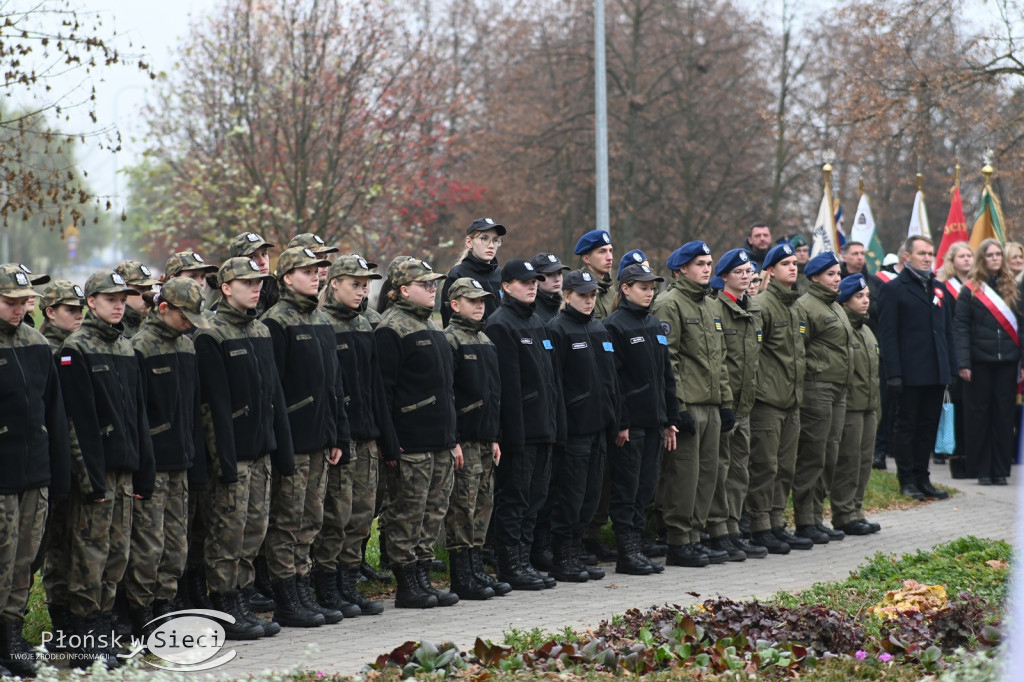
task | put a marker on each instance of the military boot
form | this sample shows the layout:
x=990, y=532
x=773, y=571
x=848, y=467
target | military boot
x=290, y=613
x=483, y=577
x=197, y=590
x=270, y=628
x=423, y=574
x=241, y=629
x=257, y=600
x=369, y=572
x=325, y=584
x=563, y=567
x=92, y=633
x=752, y=551
x=140, y=617
x=629, y=562
x=464, y=583
x=347, y=587
x=527, y=567
x=541, y=551
x=16, y=655
x=304, y=590
x=262, y=586
x=409, y=594
x=594, y=572
x=510, y=570
x=688, y=555
x=771, y=544
x=637, y=537
x=385, y=561
x=724, y=544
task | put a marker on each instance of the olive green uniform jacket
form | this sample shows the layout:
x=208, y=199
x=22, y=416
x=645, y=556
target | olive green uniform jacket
x=781, y=365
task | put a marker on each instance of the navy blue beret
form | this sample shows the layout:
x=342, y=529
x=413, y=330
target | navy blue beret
x=823, y=261
x=851, y=285
x=591, y=240
x=717, y=283
x=731, y=260
x=634, y=257
x=686, y=253
x=780, y=252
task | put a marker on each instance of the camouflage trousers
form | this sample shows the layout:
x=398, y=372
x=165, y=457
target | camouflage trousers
x=159, y=545
x=22, y=520
x=419, y=490
x=472, y=499
x=237, y=515
x=296, y=515
x=100, y=538
x=348, y=510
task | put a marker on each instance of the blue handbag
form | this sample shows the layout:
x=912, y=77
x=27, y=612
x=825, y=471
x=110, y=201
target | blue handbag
x=945, y=437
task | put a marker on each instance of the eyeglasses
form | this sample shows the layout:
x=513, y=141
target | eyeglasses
x=489, y=241
x=428, y=286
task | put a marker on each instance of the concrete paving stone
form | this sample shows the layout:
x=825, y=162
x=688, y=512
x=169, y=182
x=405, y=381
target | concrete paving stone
x=987, y=512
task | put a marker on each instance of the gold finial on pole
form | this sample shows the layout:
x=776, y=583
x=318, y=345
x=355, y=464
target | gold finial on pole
x=920, y=179
x=956, y=175
x=829, y=156
x=860, y=186
x=987, y=169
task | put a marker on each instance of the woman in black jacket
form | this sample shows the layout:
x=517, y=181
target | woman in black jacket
x=478, y=261
x=985, y=331
x=648, y=413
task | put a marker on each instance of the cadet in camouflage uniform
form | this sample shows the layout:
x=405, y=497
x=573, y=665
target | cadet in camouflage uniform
x=307, y=365
x=352, y=488
x=245, y=425
x=741, y=332
x=829, y=342
x=416, y=370
x=775, y=417
x=167, y=360
x=251, y=245
x=856, y=450
x=191, y=265
x=140, y=278
x=477, y=387
x=314, y=243
x=34, y=456
x=693, y=326
x=62, y=302
x=103, y=394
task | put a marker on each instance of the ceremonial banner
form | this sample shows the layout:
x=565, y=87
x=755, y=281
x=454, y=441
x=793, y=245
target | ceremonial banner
x=919, y=218
x=863, y=231
x=956, y=227
x=990, y=220
x=823, y=237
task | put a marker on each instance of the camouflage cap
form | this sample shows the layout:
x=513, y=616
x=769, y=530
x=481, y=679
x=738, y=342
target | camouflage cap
x=36, y=280
x=412, y=270
x=467, y=287
x=62, y=292
x=312, y=242
x=136, y=274
x=108, y=282
x=298, y=257
x=351, y=265
x=247, y=244
x=393, y=265
x=240, y=268
x=15, y=282
x=187, y=296
x=185, y=261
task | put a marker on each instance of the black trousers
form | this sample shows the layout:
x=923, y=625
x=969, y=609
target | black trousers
x=989, y=400
x=576, y=477
x=633, y=470
x=915, y=423
x=520, y=490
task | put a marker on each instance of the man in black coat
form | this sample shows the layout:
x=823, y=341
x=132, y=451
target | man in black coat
x=916, y=337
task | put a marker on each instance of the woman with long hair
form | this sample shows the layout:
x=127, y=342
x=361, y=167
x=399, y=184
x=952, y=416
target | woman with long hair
x=955, y=271
x=479, y=261
x=1013, y=254
x=985, y=331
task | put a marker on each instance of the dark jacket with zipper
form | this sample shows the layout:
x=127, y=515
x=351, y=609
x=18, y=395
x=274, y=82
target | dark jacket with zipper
x=487, y=274
x=416, y=369
x=170, y=385
x=365, y=406
x=584, y=359
x=647, y=388
x=547, y=305
x=34, y=447
x=243, y=405
x=530, y=396
x=477, y=380
x=978, y=336
x=102, y=385
x=307, y=365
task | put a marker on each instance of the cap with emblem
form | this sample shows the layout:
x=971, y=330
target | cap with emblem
x=548, y=263
x=240, y=268
x=15, y=282
x=467, y=287
x=580, y=281
x=638, y=273
x=187, y=296
x=62, y=292
x=731, y=260
x=393, y=265
x=412, y=270
x=633, y=257
x=686, y=253
x=592, y=240
x=298, y=257
x=521, y=270
x=108, y=282
x=36, y=280
x=312, y=242
x=481, y=224
x=351, y=265
x=797, y=240
x=136, y=274
x=823, y=261
x=778, y=253
x=851, y=285
x=186, y=261
x=247, y=244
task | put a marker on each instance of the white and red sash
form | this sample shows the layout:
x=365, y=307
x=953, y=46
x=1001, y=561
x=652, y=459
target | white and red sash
x=885, y=275
x=997, y=306
x=953, y=286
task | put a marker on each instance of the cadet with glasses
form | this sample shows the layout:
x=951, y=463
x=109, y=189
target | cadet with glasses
x=478, y=261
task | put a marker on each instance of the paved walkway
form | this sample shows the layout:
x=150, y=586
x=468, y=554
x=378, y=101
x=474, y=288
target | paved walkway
x=984, y=512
